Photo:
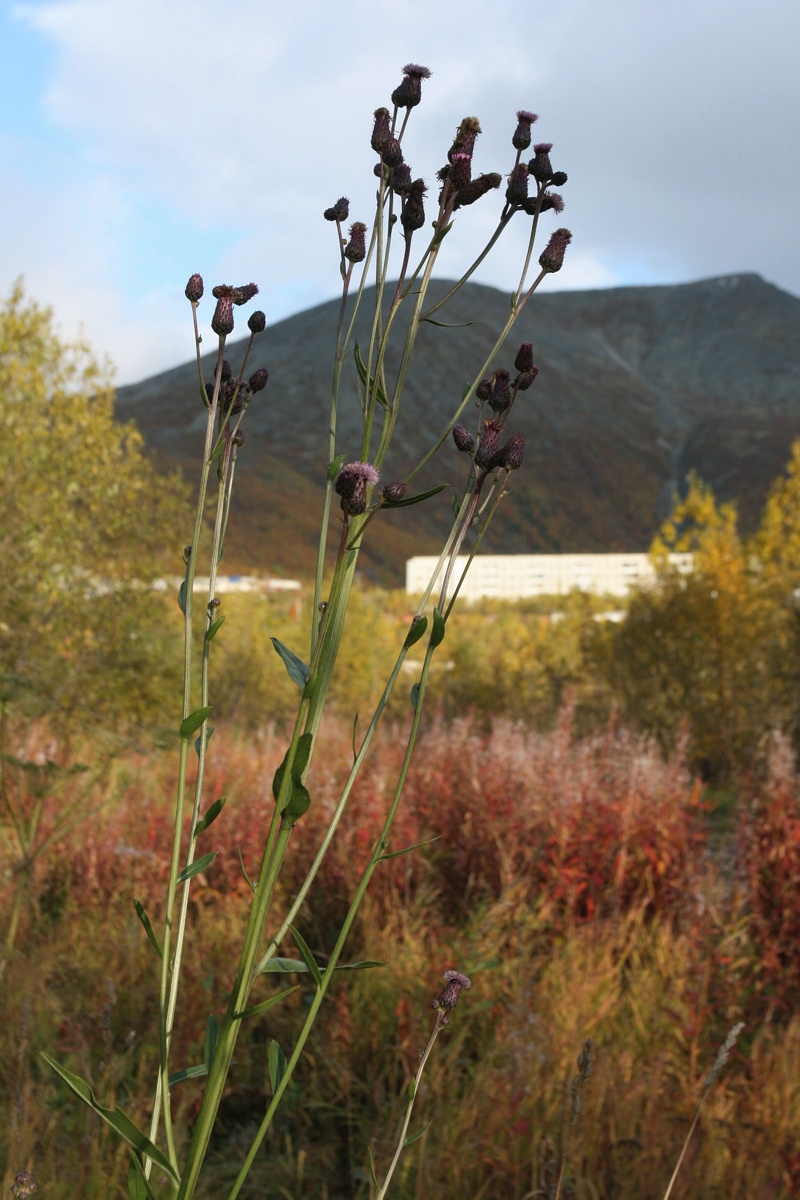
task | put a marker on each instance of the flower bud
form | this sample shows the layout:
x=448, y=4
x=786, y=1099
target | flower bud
x=194, y=289
x=339, y=211
x=238, y=438
x=463, y=439
x=258, y=380
x=448, y=997
x=257, y=321
x=524, y=359
x=510, y=456
x=552, y=257
x=500, y=395
x=393, y=492
x=401, y=178
x=391, y=153
x=486, y=455
x=517, y=190
x=559, y=178
x=522, y=134
x=222, y=320
x=408, y=93
x=484, y=389
x=526, y=378
x=356, y=249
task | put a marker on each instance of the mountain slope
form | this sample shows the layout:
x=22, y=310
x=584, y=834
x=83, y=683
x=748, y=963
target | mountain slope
x=637, y=386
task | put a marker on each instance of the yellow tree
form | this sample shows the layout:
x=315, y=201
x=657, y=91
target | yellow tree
x=86, y=520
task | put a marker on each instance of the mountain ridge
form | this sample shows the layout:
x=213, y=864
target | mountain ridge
x=637, y=387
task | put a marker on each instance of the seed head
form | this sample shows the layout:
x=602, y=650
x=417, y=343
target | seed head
x=522, y=134
x=448, y=997
x=463, y=439
x=408, y=93
x=194, y=289
x=356, y=249
x=539, y=167
x=552, y=257
x=257, y=321
x=466, y=136
x=339, y=211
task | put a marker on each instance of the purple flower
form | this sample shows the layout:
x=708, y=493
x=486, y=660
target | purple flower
x=351, y=484
x=448, y=997
x=409, y=92
x=552, y=257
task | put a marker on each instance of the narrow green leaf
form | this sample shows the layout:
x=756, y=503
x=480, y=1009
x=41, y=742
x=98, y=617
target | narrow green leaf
x=212, y=1038
x=448, y=324
x=204, y=736
x=335, y=466
x=276, y=1064
x=197, y=866
x=138, y=1186
x=193, y=722
x=412, y=1091
x=148, y=928
x=414, y=1136
x=404, y=503
x=293, y=966
x=414, y=696
x=115, y=1117
x=455, y=505
x=369, y=380
x=418, y=627
x=213, y=628
x=372, y=1174
x=296, y=669
x=210, y=817
x=307, y=956
x=441, y=234
x=182, y=597
x=408, y=849
x=437, y=634
x=247, y=878
x=188, y=1073
x=265, y=1005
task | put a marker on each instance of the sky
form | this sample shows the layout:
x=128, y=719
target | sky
x=143, y=141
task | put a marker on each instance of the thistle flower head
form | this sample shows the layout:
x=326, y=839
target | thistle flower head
x=24, y=1185
x=539, y=167
x=257, y=321
x=499, y=390
x=477, y=188
x=448, y=997
x=401, y=178
x=459, y=171
x=408, y=92
x=552, y=257
x=381, y=130
x=510, y=455
x=393, y=493
x=222, y=320
x=356, y=249
x=522, y=134
x=463, y=439
x=339, y=211
x=244, y=294
x=351, y=484
x=466, y=136
x=517, y=190
x=524, y=359
x=486, y=454
x=258, y=380
x=413, y=215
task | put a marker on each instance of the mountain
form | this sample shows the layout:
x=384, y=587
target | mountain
x=637, y=387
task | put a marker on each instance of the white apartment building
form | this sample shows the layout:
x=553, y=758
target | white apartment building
x=517, y=576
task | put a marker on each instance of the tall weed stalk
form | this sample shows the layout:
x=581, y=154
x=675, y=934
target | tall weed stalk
x=398, y=251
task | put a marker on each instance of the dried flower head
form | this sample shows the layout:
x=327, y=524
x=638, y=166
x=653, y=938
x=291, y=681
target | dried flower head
x=552, y=202
x=522, y=134
x=257, y=321
x=477, y=188
x=194, y=289
x=24, y=1185
x=448, y=997
x=408, y=93
x=585, y=1068
x=244, y=294
x=413, y=215
x=466, y=136
x=356, y=249
x=552, y=257
x=722, y=1056
x=381, y=130
x=339, y=211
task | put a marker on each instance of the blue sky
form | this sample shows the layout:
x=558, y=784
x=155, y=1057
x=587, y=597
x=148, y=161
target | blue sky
x=140, y=142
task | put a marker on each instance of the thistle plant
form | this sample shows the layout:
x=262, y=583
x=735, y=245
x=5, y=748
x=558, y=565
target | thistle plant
x=397, y=252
